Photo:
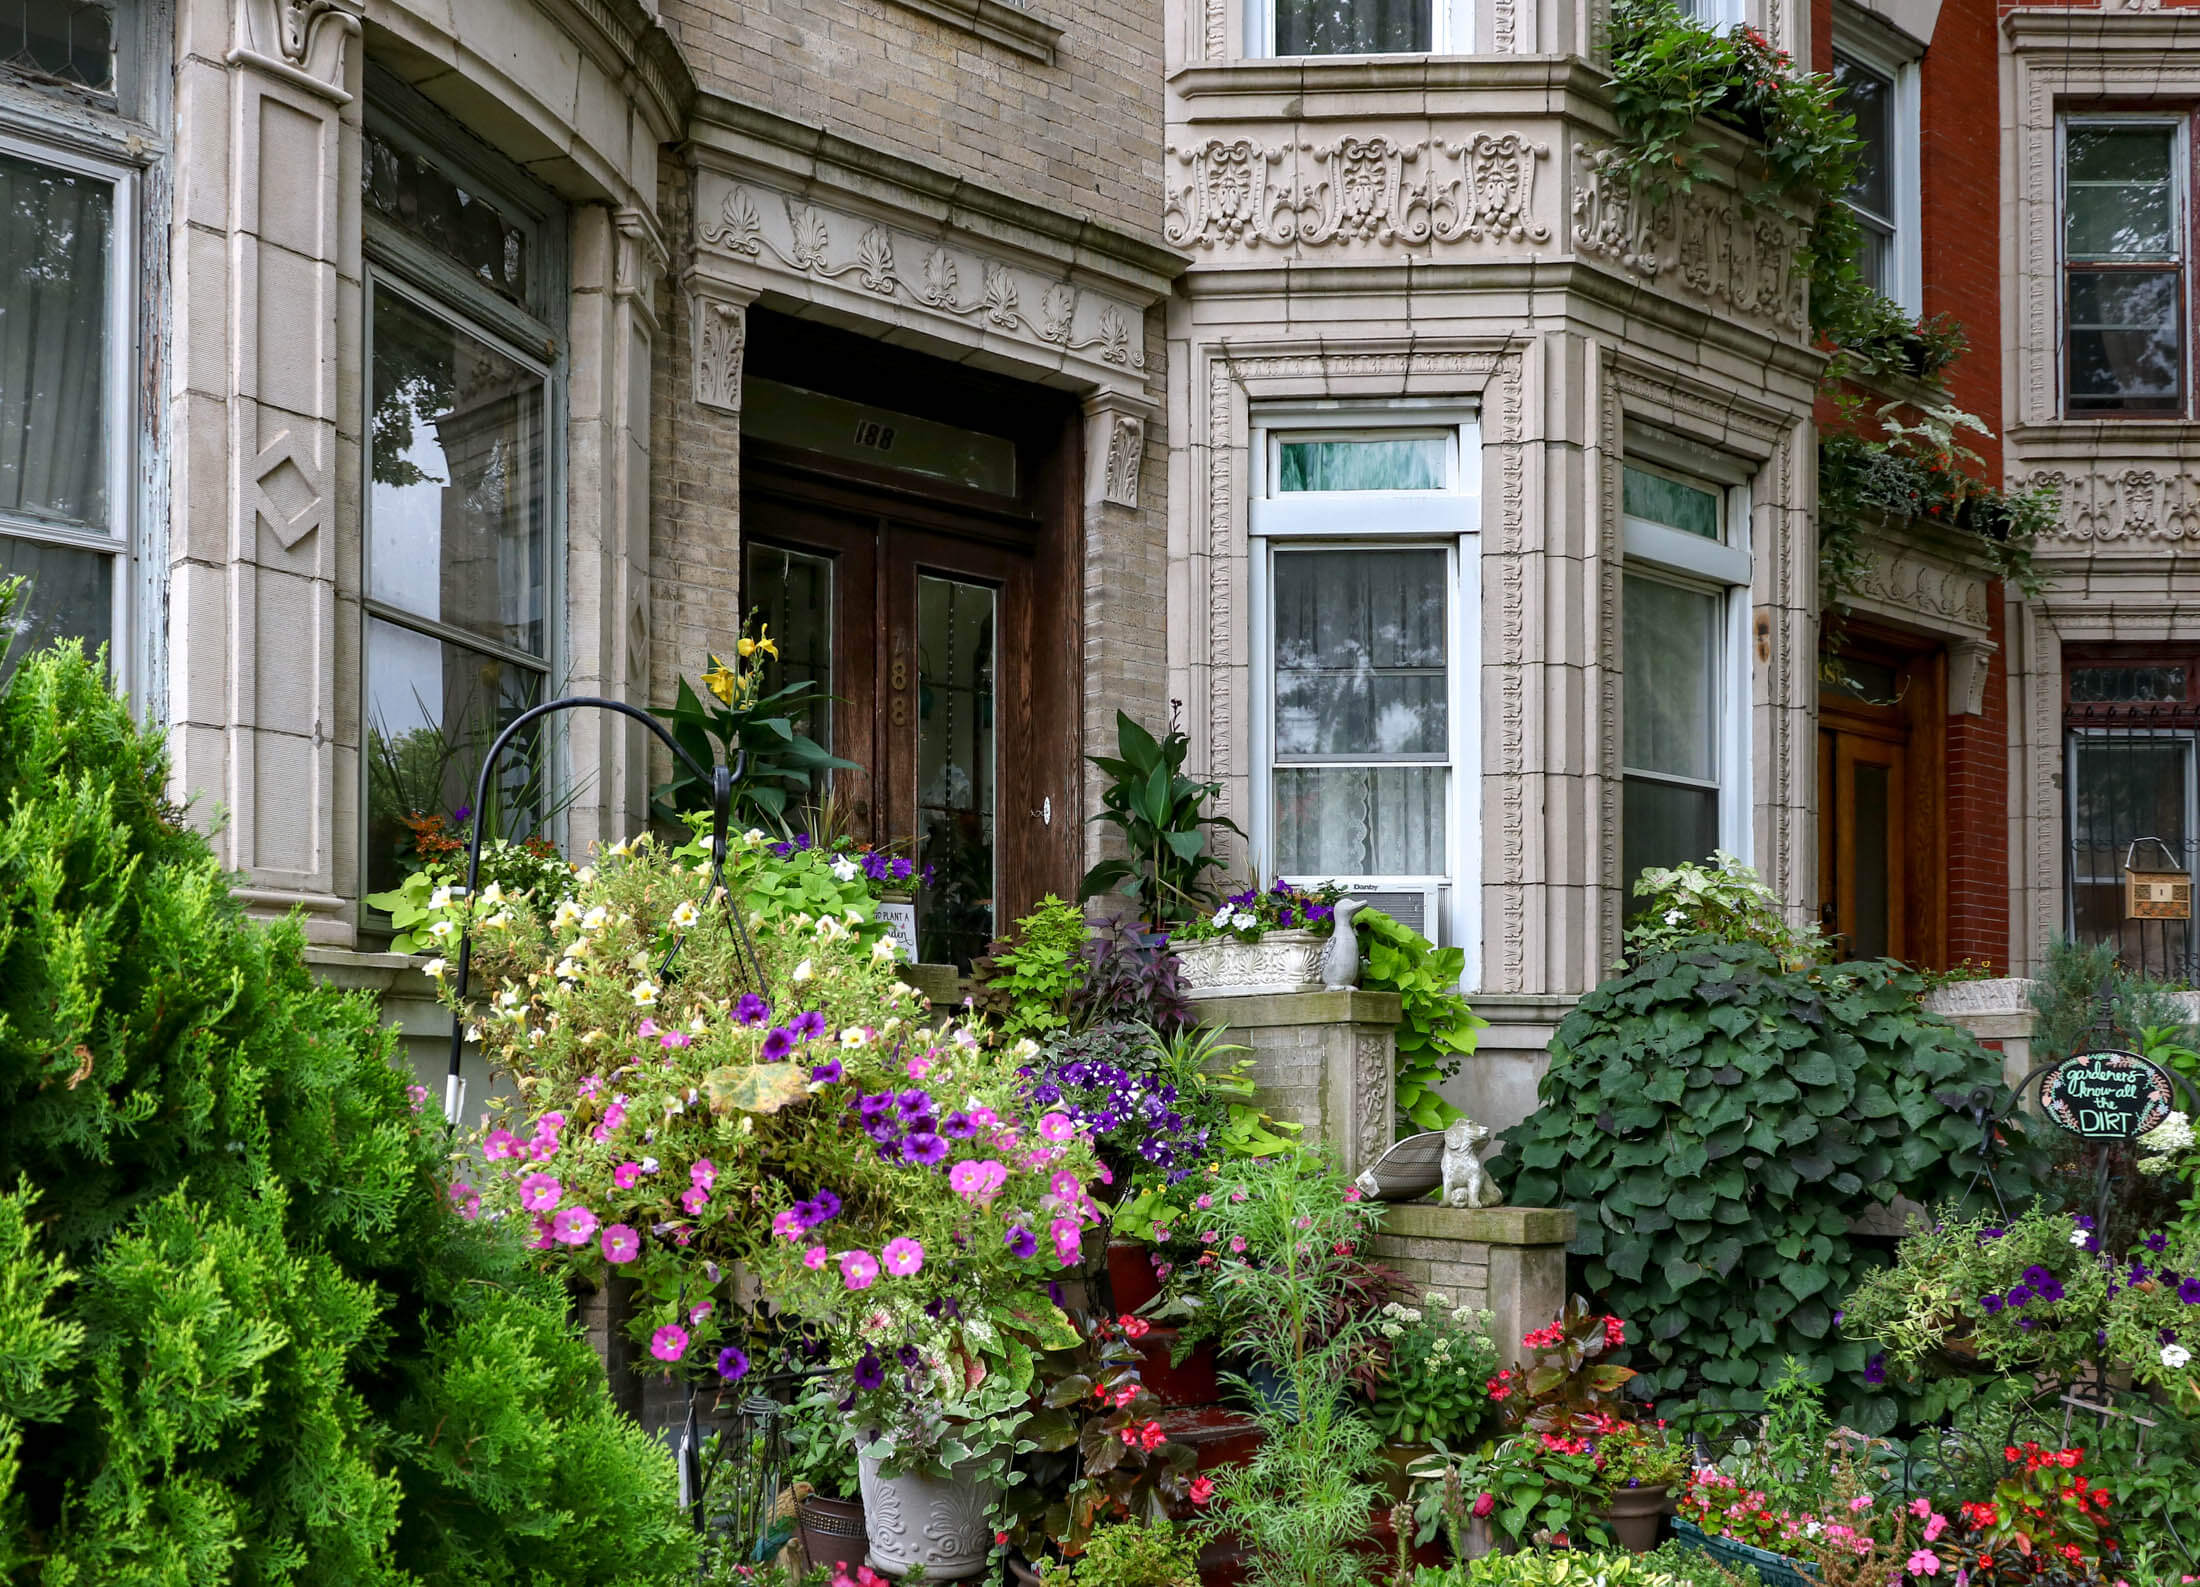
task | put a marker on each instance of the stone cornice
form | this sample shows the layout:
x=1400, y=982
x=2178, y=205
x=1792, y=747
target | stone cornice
x=1011, y=27
x=2065, y=29
x=732, y=137
x=1215, y=86
x=651, y=59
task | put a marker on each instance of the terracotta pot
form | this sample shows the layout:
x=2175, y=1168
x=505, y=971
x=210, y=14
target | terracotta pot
x=832, y=1532
x=1635, y=1516
x=924, y=1525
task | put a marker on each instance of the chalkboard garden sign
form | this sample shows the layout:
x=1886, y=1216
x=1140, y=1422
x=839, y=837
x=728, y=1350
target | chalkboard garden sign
x=2106, y=1096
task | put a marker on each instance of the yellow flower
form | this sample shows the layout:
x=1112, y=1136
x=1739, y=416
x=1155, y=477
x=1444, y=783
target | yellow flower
x=720, y=681
x=747, y=647
x=766, y=643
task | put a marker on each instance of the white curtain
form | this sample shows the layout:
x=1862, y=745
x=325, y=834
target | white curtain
x=55, y=227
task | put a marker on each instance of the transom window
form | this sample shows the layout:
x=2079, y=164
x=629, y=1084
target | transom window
x=1685, y=697
x=2124, y=246
x=1359, y=27
x=60, y=41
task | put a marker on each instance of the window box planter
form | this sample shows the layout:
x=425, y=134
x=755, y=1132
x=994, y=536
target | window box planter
x=1774, y=1570
x=1279, y=964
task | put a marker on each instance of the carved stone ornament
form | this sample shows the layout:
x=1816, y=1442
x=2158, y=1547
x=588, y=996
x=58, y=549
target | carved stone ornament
x=1408, y=1171
x=1126, y=452
x=933, y=1528
x=721, y=332
x=1902, y=584
x=1356, y=189
x=1279, y=964
x=939, y=277
x=2127, y=506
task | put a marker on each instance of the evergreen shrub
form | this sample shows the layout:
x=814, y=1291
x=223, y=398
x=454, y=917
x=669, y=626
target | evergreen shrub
x=243, y=1335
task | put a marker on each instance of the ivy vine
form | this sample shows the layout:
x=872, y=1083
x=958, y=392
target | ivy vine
x=1905, y=459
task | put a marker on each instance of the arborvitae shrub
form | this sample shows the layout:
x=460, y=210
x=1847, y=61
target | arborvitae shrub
x=243, y=1335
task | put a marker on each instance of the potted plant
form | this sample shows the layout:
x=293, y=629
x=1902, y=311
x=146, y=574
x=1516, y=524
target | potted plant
x=1431, y=1381
x=1641, y=1465
x=821, y=1466
x=1260, y=940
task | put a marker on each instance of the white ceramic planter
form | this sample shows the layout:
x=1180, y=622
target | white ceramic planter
x=933, y=1527
x=1280, y=963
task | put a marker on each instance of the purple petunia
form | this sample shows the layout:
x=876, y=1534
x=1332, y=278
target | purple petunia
x=913, y=1104
x=733, y=1366
x=751, y=1010
x=2189, y=1292
x=958, y=1125
x=809, y=1026
x=923, y=1147
x=1021, y=1242
x=2157, y=1241
x=869, y=1372
x=777, y=1044
x=1990, y=1304
x=827, y=1073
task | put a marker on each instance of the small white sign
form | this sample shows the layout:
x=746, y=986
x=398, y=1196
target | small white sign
x=901, y=925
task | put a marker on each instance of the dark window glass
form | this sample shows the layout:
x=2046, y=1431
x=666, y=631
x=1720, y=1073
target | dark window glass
x=1354, y=27
x=69, y=41
x=2107, y=685
x=424, y=200
x=1869, y=96
x=2123, y=283
x=2126, y=339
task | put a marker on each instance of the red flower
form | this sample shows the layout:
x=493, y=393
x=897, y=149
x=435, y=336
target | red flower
x=1342, y=1248
x=1134, y=1327
x=1203, y=1489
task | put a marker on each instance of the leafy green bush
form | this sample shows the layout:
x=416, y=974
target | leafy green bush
x=1724, y=901
x=1028, y=980
x=1137, y=1554
x=1718, y=1120
x=1163, y=817
x=279, y=1355
x=1436, y=1028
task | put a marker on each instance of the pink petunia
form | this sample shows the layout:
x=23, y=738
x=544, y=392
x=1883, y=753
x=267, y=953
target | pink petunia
x=549, y=1124
x=626, y=1175
x=816, y=1257
x=1352, y=1192
x=613, y=1117
x=904, y=1257
x=858, y=1269
x=1066, y=1185
x=1237, y=1245
x=1068, y=1239
x=500, y=1144
x=918, y=1067
x=540, y=1192
x=621, y=1243
x=698, y=1313
x=573, y=1226
x=590, y=1085
x=1056, y=1127
x=695, y=1198
x=542, y=1239
x=669, y=1343
x=704, y=1173
x=787, y=1224
x=673, y=1039
x=646, y=1029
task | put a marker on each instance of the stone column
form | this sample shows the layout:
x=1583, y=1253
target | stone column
x=1324, y=1060
x=1126, y=594
x=263, y=677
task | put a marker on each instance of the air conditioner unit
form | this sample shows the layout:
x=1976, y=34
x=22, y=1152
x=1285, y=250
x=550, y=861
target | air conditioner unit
x=1417, y=907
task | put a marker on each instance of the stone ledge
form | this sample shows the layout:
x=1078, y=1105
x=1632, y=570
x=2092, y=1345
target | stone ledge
x=1300, y=1008
x=1484, y=1225
x=1009, y=26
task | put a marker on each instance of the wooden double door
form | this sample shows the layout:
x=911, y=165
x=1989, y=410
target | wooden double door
x=921, y=620
x=1882, y=805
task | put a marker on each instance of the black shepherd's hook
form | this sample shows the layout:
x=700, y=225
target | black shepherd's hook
x=721, y=782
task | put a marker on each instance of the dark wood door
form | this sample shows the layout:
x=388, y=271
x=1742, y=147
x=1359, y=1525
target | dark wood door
x=1882, y=817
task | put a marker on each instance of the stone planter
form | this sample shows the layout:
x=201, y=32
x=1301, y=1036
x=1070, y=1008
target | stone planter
x=833, y=1534
x=1279, y=964
x=1635, y=1515
x=922, y=1525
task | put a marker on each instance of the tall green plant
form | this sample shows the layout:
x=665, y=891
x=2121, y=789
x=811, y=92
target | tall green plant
x=280, y=1354
x=1717, y=1120
x=1436, y=1028
x=1163, y=817
x=743, y=718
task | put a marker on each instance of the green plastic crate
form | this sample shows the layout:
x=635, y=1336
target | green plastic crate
x=1774, y=1570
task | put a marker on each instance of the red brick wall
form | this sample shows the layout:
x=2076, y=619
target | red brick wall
x=1978, y=828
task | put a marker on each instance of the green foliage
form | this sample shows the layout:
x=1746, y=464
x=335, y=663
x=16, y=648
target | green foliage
x=1434, y=1386
x=1136, y=1554
x=744, y=718
x=821, y=1446
x=1668, y=1567
x=1717, y=1120
x=505, y=867
x=1436, y=1028
x=1029, y=980
x=2066, y=998
x=281, y=1356
x=1164, y=821
x=1724, y=901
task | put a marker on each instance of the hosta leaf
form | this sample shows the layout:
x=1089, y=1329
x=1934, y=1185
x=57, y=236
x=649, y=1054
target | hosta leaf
x=754, y=1088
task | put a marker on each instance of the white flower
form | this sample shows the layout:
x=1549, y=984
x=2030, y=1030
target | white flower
x=580, y=949
x=698, y=1027
x=437, y=968
x=567, y=913
x=509, y=997
x=1389, y=1330
x=2173, y=1134
x=1673, y=917
x=441, y=929
x=1244, y=920
x=1024, y=1051
x=567, y=970
x=618, y=850
x=685, y=915
x=649, y=1165
x=473, y=1033
x=883, y=950
x=1409, y=1314
x=2175, y=1356
x=1434, y=1297
x=500, y=919
x=585, y=875
x=1221, y=917
x=595, y=918
x=853, y=1036
x=753, y=836
x=2078, y=1237
x=802, y=971
x=644, y=995
x=442, y=896
x=845, y=868
x=830, y=930
x=492, y=894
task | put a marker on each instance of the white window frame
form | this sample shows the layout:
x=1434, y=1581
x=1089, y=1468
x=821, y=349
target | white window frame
x=2179, y=127
x=1885, y=54
x=1725, y=568
x=120, y=539
x=1718, y=15
x=1447, y=519
x=1451, y=31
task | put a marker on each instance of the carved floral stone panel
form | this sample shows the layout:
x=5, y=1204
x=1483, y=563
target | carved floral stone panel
x=942, y=278
x=2131, y=508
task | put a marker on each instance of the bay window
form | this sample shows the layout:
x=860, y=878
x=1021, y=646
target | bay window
x=1364, y=677
x=2124, y=244
x=461, y=551
x=1685, y=698
x=67, y=314
x=1359, y=27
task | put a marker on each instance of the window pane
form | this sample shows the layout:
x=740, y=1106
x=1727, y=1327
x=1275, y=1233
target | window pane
x=457, y=512
x=792, y=593
x=71, y=594
x=72, y=41
x=1874, y=254
x=1868, y=95
x=2119, y=192
x=1667, y=501
x=1360, y=654
x=54, y=262
x=1663, y=824
x=1361, y=820
x=432, y=711
x=422, y=198
x=1353, y=27
x=1671, y=640
x=2096, y=685
x=2126, y=336
x=955, y=767
x=2125, y=787
x=1415, y=464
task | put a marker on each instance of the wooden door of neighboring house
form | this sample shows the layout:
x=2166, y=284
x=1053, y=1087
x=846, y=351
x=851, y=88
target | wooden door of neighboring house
x=1882, y=801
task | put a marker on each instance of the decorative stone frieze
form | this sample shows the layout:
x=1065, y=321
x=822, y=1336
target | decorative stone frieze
x=2130, y=508
x=879, y=268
